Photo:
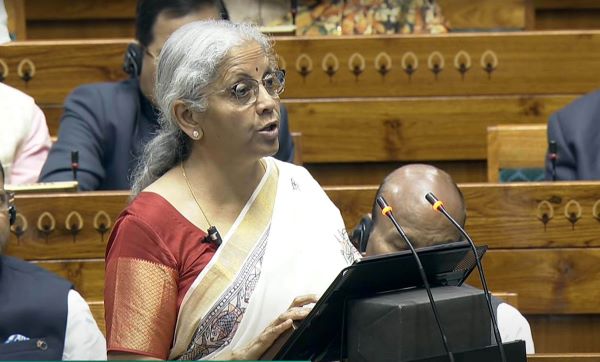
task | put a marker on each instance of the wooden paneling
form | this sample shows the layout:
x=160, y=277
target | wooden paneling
x=414, y=129
x=79, y=10
x=527, y=63
x=78, y=29
x=15, y=10
x=484, y=14
x=58, y=213
x=559, y=281
x=62, y=66
x=91, y=19
x=561, y=4
x=371, y=173
x=515, y=146
x=501, y=215
x=564, y=357
x=567, y=19
x=565, y=333
x=87, y=275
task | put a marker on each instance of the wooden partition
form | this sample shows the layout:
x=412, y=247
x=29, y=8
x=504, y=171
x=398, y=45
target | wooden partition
x=365, y=104
x=515, y=146
x=544, y=241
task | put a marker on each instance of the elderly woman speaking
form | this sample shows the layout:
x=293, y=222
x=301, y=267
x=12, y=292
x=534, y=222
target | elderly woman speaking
x=222, y=246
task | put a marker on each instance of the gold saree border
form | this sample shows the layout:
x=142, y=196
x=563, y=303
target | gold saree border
x=228, y=263
x=145, y=307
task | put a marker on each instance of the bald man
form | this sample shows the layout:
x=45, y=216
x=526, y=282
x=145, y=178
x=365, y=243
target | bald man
x=405, y=190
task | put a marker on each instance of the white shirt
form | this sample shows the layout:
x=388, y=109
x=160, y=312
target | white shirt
x=4, y=38
x=83, y=339
x=513, y=326
x=24, y=137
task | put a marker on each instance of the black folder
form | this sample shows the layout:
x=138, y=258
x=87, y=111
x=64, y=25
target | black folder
x=320, y=336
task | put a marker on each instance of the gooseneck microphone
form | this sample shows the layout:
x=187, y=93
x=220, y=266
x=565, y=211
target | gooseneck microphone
x=386, y=210
x=439, y=206
x=74, y=163
x=553, y=156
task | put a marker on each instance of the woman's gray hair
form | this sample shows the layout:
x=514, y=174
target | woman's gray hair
x=188, y=64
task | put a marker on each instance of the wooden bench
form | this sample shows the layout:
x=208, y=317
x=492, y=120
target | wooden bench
x=359, y=111
x=553, y=268
x=515, y=146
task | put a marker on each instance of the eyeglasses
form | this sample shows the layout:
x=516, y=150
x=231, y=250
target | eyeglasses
x=150, y=54
x=6, y=199
x=245, y=92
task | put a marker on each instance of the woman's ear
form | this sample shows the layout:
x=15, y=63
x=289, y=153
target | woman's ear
x=187, y=120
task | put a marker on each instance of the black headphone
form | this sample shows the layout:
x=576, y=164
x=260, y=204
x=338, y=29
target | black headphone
x=12, y=214
x=360, y=234
x=132, y=63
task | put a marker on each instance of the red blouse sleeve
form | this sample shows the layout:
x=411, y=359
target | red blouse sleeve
x=140, y=296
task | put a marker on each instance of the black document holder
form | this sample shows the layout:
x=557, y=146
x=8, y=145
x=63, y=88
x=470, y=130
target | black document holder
x=320, y=335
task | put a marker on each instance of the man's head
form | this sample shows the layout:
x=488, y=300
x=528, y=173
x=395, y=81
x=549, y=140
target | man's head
x=156, y=20
x=405, y=190
x=4, y=219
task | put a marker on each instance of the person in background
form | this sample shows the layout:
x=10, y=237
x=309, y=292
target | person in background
x=109, y=123
x=405, y=189
x=41, y=316
x=576, y=131
x=24, y=137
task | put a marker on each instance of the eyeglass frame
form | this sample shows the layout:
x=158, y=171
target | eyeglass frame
x=255, y=89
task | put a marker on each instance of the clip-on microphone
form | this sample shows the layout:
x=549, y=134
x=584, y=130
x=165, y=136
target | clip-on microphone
x=386, y=210
x=213, y=236
x=553, y=156
x=439, y=206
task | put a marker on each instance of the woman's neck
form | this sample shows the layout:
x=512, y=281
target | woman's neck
x=226, y=181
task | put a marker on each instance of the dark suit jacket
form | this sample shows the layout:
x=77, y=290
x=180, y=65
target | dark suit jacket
x=109, y=123
x=576, y=130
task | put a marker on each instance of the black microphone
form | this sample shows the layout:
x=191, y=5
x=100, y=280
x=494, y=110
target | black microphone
x=386, y=210
x=74, y=163
x=213, y=236
x=439, y=206
x=294, y=11
x=553, y=156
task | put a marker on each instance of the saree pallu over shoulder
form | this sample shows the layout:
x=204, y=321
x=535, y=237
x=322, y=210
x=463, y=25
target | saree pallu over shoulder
x=214, y=306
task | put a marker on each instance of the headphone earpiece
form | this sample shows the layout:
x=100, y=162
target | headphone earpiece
x=12, y=214
x=360, y=234
x=132, y=63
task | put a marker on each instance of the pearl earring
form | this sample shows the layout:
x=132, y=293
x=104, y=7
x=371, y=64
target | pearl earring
x=196, y=135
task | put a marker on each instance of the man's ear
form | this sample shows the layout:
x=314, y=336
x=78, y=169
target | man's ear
x=188, y=120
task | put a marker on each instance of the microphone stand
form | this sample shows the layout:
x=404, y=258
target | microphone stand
x=553, y=154
x=439, y=206
x=386, y=210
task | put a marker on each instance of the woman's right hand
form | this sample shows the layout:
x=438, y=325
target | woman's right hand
x=297, y=311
